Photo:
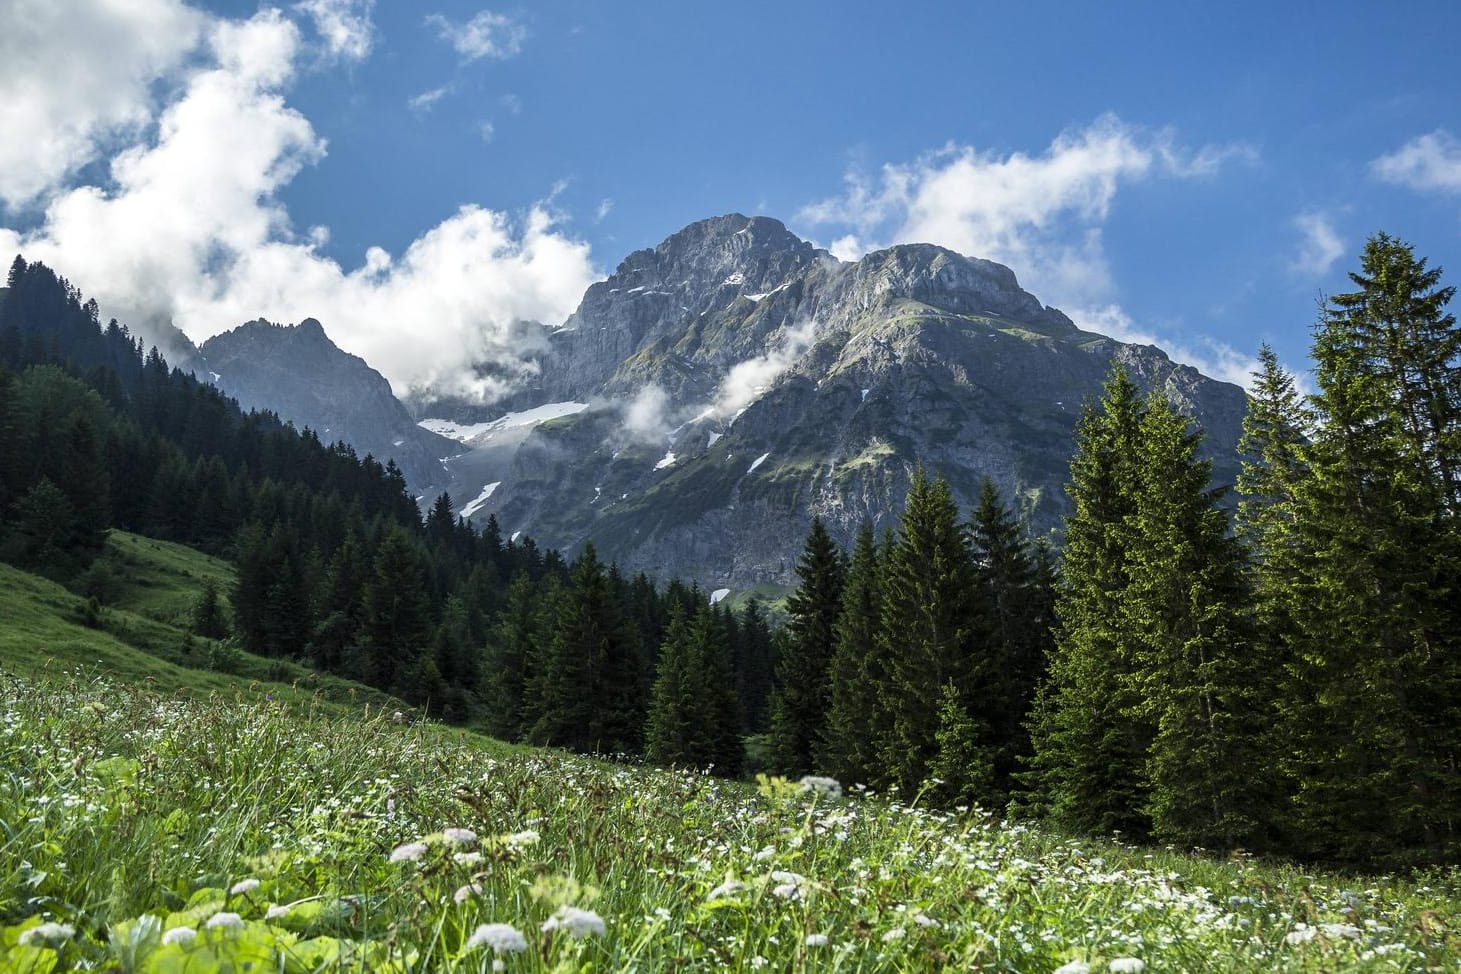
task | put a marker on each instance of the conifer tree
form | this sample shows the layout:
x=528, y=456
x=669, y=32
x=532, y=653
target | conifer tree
x=670, y=731
x=931, y=637
x=520, y=627
x=754, y=665
x=1089, y=767
x=397, y=610
x=1377, y=664
x=849, y=744
x=799, y=702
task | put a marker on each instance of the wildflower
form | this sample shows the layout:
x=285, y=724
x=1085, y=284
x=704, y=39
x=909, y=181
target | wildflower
x=47, y=933
x=1341, y=930
x=924, y=920
x=728, y=888
x=1301, y=934
x=466, y=893
x=276, y=912
x=816, y=940
x=229, y=921
x=467, y=858
x=503, y=938
x=459, y=836
x=822, y=787
x=789, y=885
x=577, y=923
x=897, y=933
x=243, y=886
x=1074, y=967
x=410, y=852
x=182, y=936
x=1126, y=965
x=523, y=839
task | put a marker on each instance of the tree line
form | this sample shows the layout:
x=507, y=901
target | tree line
x=1280, y=674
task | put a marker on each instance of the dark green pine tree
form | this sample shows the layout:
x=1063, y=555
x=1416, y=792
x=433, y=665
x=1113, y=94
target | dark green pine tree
x=931, y=635
x=1089, y=770
x=520, y=628
x=1189, y=606
x=1376, y=682
x=693, y=718
x=209, y=619
x=848, y=747
x=398, y=618
x=592, y=693
x=335, y=645
x=670, y=733
x=802, y=694
x=754, y=666
x=1019, y=634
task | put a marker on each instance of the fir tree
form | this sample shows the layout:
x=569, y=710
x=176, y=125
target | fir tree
x=1376, y=681
x=930, y=635
x=799, y=702
x=849, y=743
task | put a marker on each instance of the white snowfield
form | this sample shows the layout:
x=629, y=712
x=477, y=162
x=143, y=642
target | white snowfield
x=475, y=504
x=477, y=433
x=718, y=595
x=757, y=462
x=667, y=460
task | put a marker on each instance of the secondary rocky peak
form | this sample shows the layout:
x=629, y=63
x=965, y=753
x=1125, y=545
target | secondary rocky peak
x=950, y=282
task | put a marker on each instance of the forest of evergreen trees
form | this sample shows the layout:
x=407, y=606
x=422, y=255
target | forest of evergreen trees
x=1285, y=680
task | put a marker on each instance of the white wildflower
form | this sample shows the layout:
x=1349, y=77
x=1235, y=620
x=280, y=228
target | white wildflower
x=466, y=858
x=575, y=922
x=226, y=921
x=728, y=888
x=47, y=933
x=243, y=886
x=924, y=920
x=276, y=912
x=822, y=787
x=410, y=852
x=788, y=885
x=465, y=893
x=459, y=836
x=1126, y=965
x=523, y=839
x=817, y=940
x=897, y=933
x=1074, y=967
x=1301, y=934
x=182, y=936
x=501, y=937
x=1343, y=931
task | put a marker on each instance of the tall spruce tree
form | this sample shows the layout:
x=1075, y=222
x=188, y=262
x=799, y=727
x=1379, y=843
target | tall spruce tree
x=799, y=702
x=1376, y=674
x=848, y=747
x=1089, y=767
x=931, y=633
x=1017, y=632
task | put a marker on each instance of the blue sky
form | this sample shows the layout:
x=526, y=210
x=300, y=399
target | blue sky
x=419, y=176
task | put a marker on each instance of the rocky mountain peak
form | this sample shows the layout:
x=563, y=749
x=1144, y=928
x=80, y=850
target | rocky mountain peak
x=949, y=281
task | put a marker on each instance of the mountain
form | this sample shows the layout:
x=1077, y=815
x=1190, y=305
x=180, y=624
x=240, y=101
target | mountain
x=720, y=389
x=296, y=371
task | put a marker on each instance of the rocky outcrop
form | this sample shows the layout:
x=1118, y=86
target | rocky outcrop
x=790, y=384
x=296, y=371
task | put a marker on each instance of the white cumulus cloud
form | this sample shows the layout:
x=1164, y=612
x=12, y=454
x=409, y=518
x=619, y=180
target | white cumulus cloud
x=748, y=380
x=1319, y=246
x=487, y=35
x=1430, y=162
x=1040, y=214
x=75, y=74
x=344, y=26
x=189, y=229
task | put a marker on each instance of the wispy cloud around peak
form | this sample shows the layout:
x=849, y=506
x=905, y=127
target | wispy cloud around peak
x=1428, y=163
x=427, y=100
x=487, y=35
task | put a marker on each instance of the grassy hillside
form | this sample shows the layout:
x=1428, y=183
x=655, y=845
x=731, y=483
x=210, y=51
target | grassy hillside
x=145, y=832
x=140, y=635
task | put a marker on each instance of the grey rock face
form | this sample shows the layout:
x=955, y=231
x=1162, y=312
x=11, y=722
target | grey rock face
x=296, y=371
x=796, y=385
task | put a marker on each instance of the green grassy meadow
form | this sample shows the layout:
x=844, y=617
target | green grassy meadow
x=158, y=815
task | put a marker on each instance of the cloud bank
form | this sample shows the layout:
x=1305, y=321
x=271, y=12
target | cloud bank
x=1040, y=214
x=1427, y=163
x=187, y=226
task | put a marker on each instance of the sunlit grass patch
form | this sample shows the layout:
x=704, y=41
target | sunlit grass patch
x=143, y=832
